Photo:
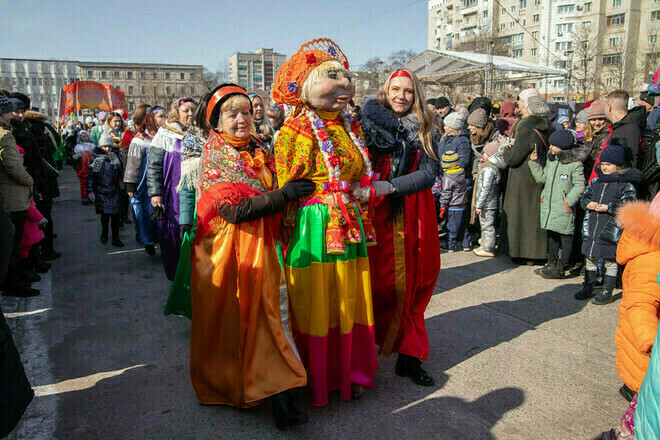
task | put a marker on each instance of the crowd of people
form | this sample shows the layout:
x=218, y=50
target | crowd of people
x=347, y=205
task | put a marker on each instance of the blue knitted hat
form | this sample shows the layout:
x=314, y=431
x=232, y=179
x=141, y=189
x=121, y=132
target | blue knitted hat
x=562, y=139
x=614, y=154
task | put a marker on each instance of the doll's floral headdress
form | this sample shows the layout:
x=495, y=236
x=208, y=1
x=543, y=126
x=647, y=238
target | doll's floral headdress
x=293, y=73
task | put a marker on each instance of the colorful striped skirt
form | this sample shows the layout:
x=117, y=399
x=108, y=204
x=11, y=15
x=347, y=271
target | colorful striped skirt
x=331, y=309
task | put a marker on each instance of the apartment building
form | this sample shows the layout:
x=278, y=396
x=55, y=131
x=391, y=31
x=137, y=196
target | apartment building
x=255, y=72
x=615, y=39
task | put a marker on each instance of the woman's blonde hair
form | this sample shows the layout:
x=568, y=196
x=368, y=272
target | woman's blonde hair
x=263, y=125
x=427, y=127
x=588, y=132
x=318, y=74
x=173, y=116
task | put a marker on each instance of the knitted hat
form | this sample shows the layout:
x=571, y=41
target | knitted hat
x=23, y=97
x=441, y=102
x=528, y=93
x=89, y=120
x=478, y=118
x=450, y=159
x=17, y=104
x=102, y=116
x=454, y=120
x=491, y=148
x=563, y=119
x=481, y=102
x=655, y=205
x=293, y=73
x=537, y=106
x=6, y=106
x=597, y=110
x=106, y=140
x=614, y=154
x=582, y=116
x=562, y=139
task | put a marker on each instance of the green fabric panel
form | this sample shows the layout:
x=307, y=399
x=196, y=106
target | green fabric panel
x=179, y=301
x=308, y=239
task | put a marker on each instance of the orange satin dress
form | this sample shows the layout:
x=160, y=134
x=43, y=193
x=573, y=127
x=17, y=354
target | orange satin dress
x=241, y=349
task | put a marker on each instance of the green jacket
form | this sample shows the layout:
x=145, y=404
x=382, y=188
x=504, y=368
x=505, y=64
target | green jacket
x=15, y=183
x=563, y=185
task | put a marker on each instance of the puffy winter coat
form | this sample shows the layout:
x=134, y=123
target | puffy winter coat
x=600, y=230
x=630, y=128
x=647, y=414
x=15, y=183
x=454, y=193
x=460, y=144
x=31, y=233
x=487, y=188
x=639, y=250
x=563, y=180
x=103, y=179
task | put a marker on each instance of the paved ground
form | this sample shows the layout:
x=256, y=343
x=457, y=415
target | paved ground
x=514, y=356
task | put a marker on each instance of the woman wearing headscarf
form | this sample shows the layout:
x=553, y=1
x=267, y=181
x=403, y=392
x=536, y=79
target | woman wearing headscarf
x=163, y=174
x=241, y=349
x=522, y=236
x=401, y=135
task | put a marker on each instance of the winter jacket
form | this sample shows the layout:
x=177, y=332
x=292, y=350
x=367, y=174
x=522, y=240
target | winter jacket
x=600, y=230
x=42, y=132
x=31, y=234
x=162, y=142
x=630, y=128
x=639, y=250
x=454, y=193
x=478, y=149
x=647, y=422
x=103, y=179
x=15, y=390
x=460, y=144
x=594, y=147
x=563, y=185
x=487, y=188
x=15, y=183
x=95, y=134
x=137, y=153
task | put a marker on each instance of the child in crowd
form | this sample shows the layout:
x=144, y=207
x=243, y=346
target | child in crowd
x=563, y=180
x=486, y=198
x=601, y=232
x=82, y=153
x=454, y=198
x=103, y=180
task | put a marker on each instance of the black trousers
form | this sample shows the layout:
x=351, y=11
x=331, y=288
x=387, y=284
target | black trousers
x=558, y=241
x=113, y=219
x=13, y=278
x=46, y=209
x=6, y=240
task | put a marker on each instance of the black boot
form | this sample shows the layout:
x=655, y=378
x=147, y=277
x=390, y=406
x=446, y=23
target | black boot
x=554, y=272
x=412, y=367
x=149, y=249
x=284, y=413
x=605, y=295
x=587, y=286
x=117, y=242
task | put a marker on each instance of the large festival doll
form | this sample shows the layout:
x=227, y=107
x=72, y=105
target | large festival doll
x=241, y=349
x=399, y=132
x=326, y=265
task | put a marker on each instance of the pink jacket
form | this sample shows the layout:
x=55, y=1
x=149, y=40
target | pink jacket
x=32, y=234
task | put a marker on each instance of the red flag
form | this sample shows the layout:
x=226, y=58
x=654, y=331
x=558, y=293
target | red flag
x=90, y=95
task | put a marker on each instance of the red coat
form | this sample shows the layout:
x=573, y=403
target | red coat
x=32, y=234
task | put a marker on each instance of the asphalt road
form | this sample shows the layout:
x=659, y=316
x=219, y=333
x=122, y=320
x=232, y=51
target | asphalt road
x=514, y=356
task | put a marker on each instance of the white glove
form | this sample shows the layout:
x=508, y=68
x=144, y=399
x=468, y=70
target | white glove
x=383, y=188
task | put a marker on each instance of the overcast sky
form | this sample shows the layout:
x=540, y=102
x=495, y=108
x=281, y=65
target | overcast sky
x=205, y=32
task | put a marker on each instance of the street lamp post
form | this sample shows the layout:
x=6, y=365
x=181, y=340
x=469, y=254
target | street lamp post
x=569, y=53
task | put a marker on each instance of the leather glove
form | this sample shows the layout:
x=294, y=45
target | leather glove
x=157, y=213
x=442, y=212
x=297, y=188
x=91, y=197
x=383, y=188
x=183, y=229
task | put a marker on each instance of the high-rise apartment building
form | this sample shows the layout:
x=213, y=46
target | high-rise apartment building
x=255, y=71
x=603, y=44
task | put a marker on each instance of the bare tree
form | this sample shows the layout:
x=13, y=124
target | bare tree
x=399, y=58
x=585, y=59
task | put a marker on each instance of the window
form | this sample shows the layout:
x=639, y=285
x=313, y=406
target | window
x=610, y=81
x=535, y=18
x=104, y=74
x=655, y=15
x=616, y=20
x=512, y=24
x=503, y=11
x=586, y=25
x=155, y=75
x=183, y=75
x=115, y=75
x=614, y=42
x=561, y=64
x=587, y=7
x=585, y=44
x=168, y=90
x=534, y=52
x=616, y=3
x=523, y=4
x=653, y=38
x=90, y=74
x=563, y=45
x=535, y=35
x=130, y=90
x=537, y=2
x=142, y=75
x=558, y=83
x=485, y=13
x=458, y=22
x=513, y=9
x=612, y=59
x=502, y=26
x=143, y=90
x=155, y=90
x=517, y=53
x=192, y=90
x=565, y=27
x=565, y=9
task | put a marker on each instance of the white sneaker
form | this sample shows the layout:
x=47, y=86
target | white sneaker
x=482, y=253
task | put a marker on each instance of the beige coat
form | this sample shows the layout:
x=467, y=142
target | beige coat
x=15, y=183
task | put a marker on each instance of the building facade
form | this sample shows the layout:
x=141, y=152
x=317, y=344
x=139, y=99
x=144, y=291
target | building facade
x=603, y=44
x=255, y=72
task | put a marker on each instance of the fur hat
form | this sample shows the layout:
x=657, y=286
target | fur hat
x=537, y=106
x=454, y=120
x=478, y=118
x=491, y=148
x=17, y=104
x=23, y=97
x=582, y=116
x=562, y=139
x=614, y=154
x=6, y=106
x=450, y=159
x=106, y=140
x=293, y=73
x=441, y=102
x=597, y=110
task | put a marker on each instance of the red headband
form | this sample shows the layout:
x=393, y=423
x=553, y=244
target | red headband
x=400, y=73
x=221, y=93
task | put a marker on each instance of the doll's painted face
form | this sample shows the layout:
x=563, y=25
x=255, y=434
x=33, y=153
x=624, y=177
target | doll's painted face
x=331, y=93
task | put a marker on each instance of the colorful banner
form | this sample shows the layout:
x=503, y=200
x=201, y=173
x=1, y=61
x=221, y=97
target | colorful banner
x=90, y=95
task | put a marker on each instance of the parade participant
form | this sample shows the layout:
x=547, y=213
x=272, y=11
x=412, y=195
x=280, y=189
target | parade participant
x=260, y=122
x=115, y=127
x=96, y=132
x=241, y=350
x=327, y=267
x=132, y=129
x=161, y=116
x=83, y=155
x=163, y=174
x=135, y=179
x=401, y=136
x=276, y=117
x=103, y=180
